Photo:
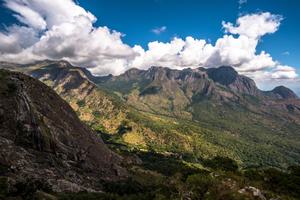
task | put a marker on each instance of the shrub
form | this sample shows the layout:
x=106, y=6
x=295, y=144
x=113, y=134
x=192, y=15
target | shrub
x=81, y=103
x=124, y=128
x=198, y=185
x=222, y=163
x=99, y=128
x=96, y=114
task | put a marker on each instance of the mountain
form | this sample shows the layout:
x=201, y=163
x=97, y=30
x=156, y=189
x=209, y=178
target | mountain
x=47, y=153
x=190, y=113
x=284, y=93
x=220, y=106
x=43, y=143
x=182, y=94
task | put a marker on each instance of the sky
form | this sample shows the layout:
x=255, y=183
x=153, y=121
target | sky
x=259, y=38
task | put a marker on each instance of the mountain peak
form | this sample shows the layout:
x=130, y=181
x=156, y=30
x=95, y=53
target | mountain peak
x=224, y=75
x=284, y=92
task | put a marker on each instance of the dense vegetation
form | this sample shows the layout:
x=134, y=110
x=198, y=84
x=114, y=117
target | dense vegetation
x=160, y=176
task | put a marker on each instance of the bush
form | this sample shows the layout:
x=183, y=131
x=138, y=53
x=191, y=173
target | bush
x=198, y=185
x=99, y=128
x=222, y=163
x=96, y=114
x=124, y=187
x=81, y=103
x=124, y=128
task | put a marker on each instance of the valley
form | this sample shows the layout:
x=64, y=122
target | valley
x=146, y=154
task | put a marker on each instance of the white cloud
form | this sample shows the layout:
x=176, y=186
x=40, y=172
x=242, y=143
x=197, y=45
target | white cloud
x=237, y=51
x=159, y=30
x=26, y=15
x=284, y=72
x=254, y=25
x=59, y=29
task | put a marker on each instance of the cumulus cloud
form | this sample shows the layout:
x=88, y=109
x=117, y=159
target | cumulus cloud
x=159, y=30
x=59, y=29
x=237, y=48
x=26, y=15
x=254, y=25
x=284, y=72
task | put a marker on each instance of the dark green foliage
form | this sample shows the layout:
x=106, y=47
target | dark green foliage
x=199, y=184
x=124, y=187
x=167, y=165
x=81, y=103
x=96, y=114
x=287, y=183
x=222, y=163
x=99, y=128
x=124, y=128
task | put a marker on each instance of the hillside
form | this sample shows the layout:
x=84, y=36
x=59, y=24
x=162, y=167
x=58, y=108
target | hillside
x=45, y=145
x=194, y=113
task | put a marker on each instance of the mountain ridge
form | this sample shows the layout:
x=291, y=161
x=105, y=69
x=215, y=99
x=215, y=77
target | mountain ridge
x=218, y=74
x=182, y=112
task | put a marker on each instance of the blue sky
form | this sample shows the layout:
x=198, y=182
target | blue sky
x=200, y=19
x=259, y=38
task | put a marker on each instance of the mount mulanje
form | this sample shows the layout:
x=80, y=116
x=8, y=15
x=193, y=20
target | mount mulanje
x=192, y=112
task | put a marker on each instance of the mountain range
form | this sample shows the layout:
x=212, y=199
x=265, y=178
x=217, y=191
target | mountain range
x=197, y=113
x=145, y=134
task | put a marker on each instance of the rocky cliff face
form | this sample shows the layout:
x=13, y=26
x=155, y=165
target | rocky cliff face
x=43, y=139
